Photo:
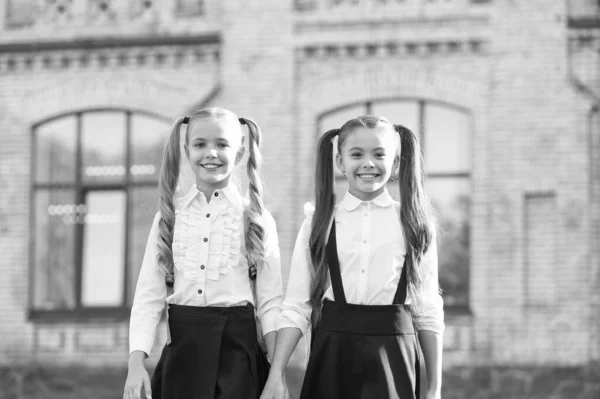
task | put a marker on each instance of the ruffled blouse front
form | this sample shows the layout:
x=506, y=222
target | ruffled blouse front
x=223, y=220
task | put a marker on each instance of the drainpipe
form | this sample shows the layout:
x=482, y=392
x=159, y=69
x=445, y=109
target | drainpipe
x=594, y=99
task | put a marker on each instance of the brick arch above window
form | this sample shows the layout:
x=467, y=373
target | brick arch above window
x=365, y=84
x=130, y=92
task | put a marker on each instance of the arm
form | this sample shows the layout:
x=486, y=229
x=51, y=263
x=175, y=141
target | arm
x=149, y=299
x=430, y=321
x=294, y=319
x=431, y=345
x=269, y=287
x=148, y=304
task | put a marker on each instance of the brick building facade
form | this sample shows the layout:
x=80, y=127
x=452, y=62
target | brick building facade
x=505, y=95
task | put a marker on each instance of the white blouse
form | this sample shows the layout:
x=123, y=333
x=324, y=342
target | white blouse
x=211, y=268
x=371, y=251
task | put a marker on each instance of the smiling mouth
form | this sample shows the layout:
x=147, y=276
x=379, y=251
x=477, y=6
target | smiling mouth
x=210, y=166
x=368, y=176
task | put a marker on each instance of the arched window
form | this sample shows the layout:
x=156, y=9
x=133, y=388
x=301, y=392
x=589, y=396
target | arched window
x=94, y=178
x=445, y=133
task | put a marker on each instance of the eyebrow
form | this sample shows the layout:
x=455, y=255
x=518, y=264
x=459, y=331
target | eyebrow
x=362, y=149
x=204, y=139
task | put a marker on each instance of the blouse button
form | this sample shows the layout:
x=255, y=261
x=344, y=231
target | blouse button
x=202, y=267
x=216, y=194
x=206, y=240
x=199, y=291
x=208, y=215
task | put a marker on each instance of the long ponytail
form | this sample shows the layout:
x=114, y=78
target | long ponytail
x=324, y=206
x=169, y=173
x=416, y=214
x=255, y=234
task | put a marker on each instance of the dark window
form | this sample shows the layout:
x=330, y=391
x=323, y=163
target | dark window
x=94, y=198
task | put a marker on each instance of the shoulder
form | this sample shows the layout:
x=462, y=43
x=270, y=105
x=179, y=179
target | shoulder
x=156, y=219
x=309, y=210
x=268, y=219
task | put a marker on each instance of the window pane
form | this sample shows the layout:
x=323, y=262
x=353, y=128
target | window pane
x=103, y=249
x=405, y=113
x=55, y=149
x=447, y=140
x=338, y=118
x=148, y=137
x=54, y=270
x=144, y=205
x=103, y=143
x=451, y=200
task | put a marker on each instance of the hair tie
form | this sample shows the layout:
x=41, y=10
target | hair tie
x=186, y=119
x=242, y=121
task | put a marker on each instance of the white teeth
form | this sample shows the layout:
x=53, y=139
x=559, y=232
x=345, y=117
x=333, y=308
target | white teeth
x=367, y=177
x=210, y=166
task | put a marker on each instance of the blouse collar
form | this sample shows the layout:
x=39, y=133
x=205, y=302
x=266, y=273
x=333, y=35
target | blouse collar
x=350, y=202
x=230, y=192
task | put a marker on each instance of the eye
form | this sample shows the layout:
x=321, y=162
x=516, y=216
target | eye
x=199, y=145
x=380, y=155
x=223, y=145
x=355, y=154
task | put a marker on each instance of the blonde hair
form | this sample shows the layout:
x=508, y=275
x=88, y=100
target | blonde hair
x=169, y=174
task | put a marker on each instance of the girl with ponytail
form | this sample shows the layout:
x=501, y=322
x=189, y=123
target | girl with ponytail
x=364, y=274
x=213, y=258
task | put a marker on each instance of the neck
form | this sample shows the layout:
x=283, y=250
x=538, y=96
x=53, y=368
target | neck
x=364, y=195
x=208, y=188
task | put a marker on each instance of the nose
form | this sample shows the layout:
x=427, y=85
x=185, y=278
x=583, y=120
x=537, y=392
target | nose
x=211, y=153
x=368, y=164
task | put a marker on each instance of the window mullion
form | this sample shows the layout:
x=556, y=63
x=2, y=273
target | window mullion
x=79, y=227
x=127, y=205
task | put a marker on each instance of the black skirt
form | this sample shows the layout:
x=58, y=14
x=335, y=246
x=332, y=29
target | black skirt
x=214, y=353
x=363, y=352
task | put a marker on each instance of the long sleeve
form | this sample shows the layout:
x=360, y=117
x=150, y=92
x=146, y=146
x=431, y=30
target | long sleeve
x=431, y=317
x=269, y=287
x=149, y=299
x=296, y=309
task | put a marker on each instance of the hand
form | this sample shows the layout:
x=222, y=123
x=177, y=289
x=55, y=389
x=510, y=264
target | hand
x=276, y=388
x=433, y=395
x=137, y=378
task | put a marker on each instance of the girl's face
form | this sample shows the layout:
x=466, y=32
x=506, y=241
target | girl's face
x=367, y=157
x=213, y=148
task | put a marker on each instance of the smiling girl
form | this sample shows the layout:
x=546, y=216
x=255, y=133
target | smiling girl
x=365, y=272
x=220, y=253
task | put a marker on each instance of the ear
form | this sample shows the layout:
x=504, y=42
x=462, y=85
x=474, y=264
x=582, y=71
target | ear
x=240, y=154
x=340, y=163
x=396, y=165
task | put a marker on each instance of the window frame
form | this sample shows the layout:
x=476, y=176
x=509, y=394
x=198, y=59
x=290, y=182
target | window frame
x=80, y=188
x=454, y=309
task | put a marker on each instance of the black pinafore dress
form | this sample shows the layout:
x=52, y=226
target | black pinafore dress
x=362, y=351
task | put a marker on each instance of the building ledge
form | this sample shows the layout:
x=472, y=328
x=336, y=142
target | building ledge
x=108, y=43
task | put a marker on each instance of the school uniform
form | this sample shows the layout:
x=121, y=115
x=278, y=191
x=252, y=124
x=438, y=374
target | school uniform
x=365, y=344
x=213, y=349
